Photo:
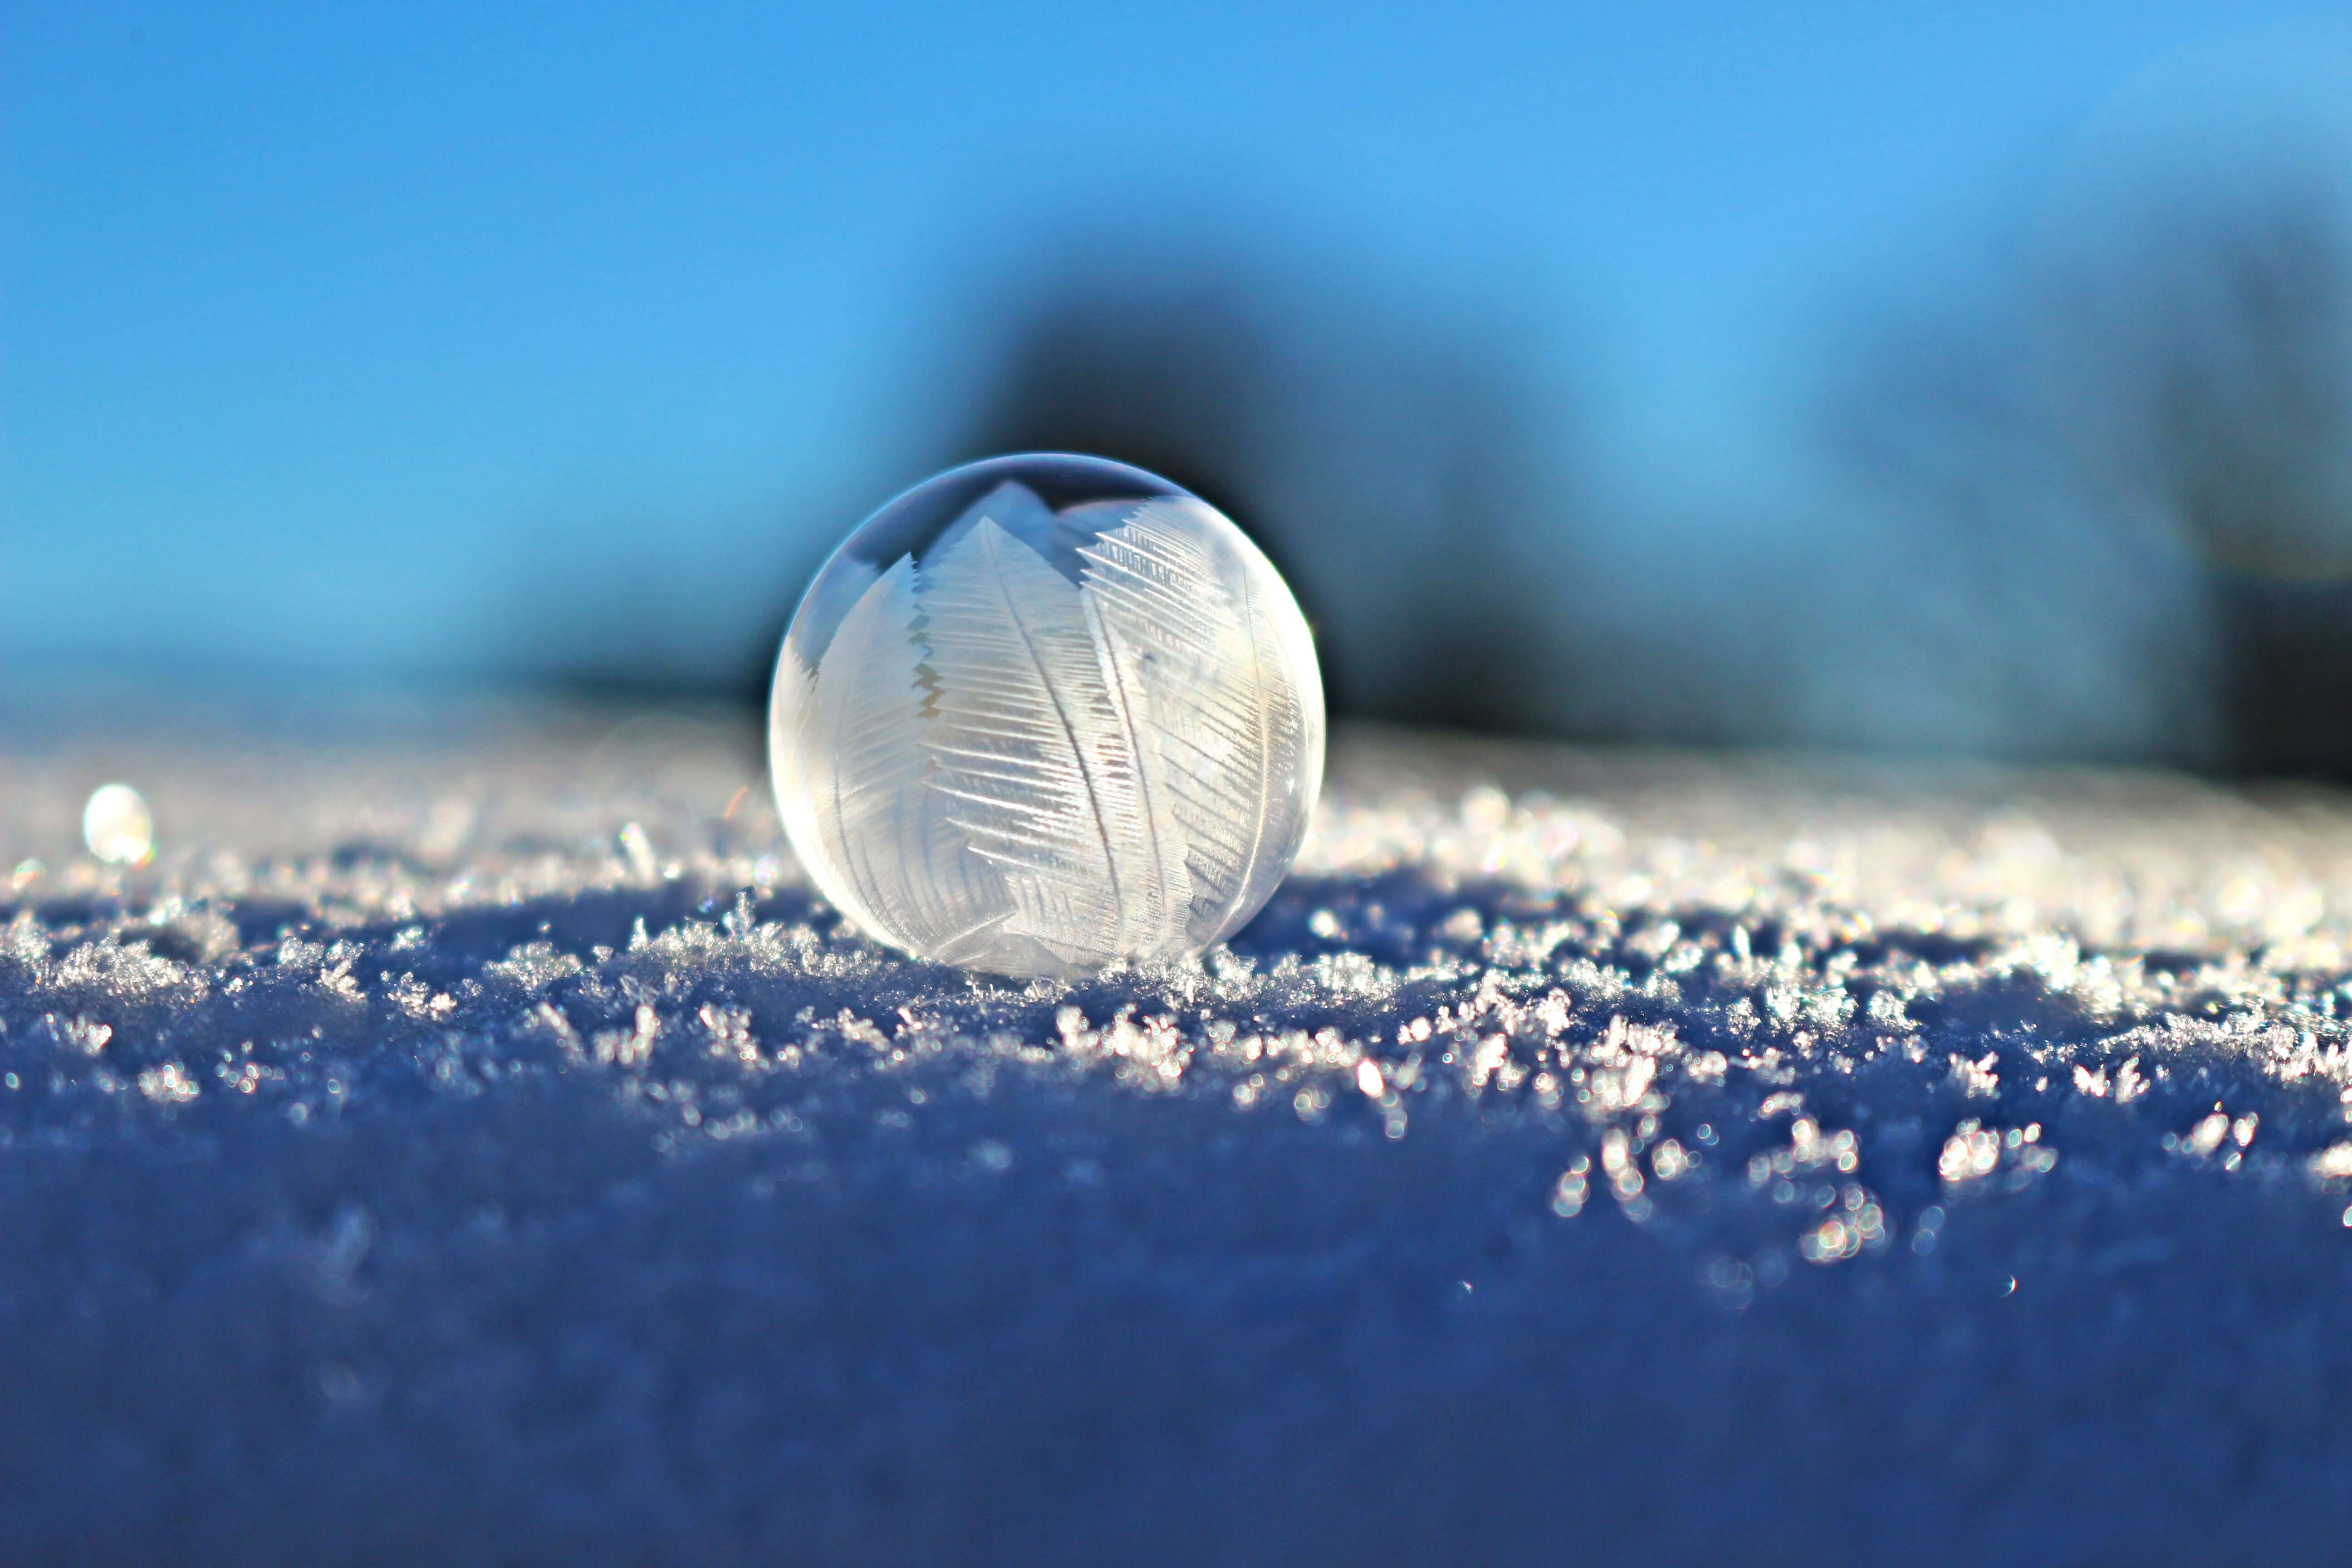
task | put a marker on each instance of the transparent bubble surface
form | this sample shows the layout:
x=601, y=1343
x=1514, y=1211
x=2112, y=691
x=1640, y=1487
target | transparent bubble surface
x=1042, y=714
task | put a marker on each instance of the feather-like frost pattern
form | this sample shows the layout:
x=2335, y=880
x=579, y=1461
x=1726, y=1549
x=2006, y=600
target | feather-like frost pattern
x=1288, y=689
x=901, y=867
x=1222, y=706
x=1013, y=507
x=1039, y=745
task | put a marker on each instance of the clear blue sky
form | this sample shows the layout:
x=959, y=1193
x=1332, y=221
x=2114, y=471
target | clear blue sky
x=323, y=328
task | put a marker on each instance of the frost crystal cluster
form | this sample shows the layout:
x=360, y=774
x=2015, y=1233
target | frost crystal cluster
x=1042, y=714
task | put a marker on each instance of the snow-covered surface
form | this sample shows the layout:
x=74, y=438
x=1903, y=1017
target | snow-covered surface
x=467, y=1143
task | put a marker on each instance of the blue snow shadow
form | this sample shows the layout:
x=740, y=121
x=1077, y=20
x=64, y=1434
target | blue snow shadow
x=648, y=1225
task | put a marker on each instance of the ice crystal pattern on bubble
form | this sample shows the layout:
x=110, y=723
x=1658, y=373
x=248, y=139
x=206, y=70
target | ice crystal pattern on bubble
x=997, y=763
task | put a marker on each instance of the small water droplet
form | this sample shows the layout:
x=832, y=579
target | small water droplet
x=117, y=825
x=638, y=847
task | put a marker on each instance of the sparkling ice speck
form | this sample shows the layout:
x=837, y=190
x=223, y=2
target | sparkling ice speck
x=1044, y=713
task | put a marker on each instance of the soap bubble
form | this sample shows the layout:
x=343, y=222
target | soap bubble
x=1039, y=714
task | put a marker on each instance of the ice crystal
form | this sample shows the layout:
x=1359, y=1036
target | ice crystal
x=1039, y=715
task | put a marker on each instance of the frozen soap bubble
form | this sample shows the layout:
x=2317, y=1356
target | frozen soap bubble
x=1044, y=713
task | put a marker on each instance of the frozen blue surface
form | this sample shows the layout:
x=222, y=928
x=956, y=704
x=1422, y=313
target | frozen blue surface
x=1585, y=1158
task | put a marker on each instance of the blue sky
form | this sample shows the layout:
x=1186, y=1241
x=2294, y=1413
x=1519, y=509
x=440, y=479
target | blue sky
x=326, y=331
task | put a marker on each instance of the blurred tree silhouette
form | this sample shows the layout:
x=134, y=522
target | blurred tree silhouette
x=2199, y=356
x=1390, y=464
x=2113, y=519
x=2200, y=351
x=1986, y=597
x=2102, y=513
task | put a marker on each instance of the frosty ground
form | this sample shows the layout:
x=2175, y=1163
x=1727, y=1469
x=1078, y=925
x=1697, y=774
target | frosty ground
x=469, y=1143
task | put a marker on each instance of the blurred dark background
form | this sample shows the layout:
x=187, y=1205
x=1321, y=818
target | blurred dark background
x=1919, y=382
